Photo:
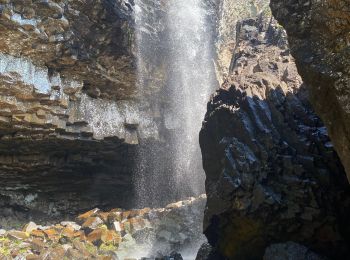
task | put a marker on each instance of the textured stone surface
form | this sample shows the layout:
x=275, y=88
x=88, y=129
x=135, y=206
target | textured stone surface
x=88, y=40
x=272, y=173
x=229, y=13
x=290, y=251
x=69, y=113
x=318, y=32
x=140, y=233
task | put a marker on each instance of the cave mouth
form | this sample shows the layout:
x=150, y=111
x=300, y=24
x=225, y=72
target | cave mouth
x=57, y=178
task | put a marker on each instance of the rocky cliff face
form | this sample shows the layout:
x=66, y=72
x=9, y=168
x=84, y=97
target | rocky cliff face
x=74, y=118
x=229, y=13
x=272, y=173
x=69, y=115
x=318, y=32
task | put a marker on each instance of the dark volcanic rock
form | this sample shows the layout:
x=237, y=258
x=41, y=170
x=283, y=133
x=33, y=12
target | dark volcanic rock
x=290, y=251
x=272, y=173
x=318, y=33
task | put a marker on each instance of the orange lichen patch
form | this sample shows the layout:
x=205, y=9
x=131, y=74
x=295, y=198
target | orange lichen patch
x=96, y=235
x=59, y=226
x=88, y=214
x=104, y=216
x=80, y=234
x=52, y=234
x=111, y=237
x=92, y=222
x=37, y=233
x=68, y=232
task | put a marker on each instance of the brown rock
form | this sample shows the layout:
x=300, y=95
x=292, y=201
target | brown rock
x=54, y=253
x=83, y=217
x=104, y=216
x=74, y=254
x=37, y=233
x=69, y=232
x=32, y=257
x=111, y=237
x=95, y=236
x=92, y=223
x=81, y=248
x=52, y=234
x=18, y=235
x=37, y=245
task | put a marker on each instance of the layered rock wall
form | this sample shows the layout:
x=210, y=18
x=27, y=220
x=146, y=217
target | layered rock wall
x=69, y=111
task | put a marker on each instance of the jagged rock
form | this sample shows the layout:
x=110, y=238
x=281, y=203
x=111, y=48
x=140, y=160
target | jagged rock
x=272, y=174
x=140, y=231
x=319, y=36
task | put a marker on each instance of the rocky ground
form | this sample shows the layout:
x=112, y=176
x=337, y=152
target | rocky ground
x=116, y=234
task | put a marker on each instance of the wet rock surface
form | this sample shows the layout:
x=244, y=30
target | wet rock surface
x=318, y=32
x=116, y=234
x=272, y=172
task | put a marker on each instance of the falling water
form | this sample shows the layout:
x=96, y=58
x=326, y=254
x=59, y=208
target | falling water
x=189, y=78
x=191, y=81
x=173, y=170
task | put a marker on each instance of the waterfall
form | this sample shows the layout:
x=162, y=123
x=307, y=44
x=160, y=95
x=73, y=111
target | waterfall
x=184, y=52
x=190, y=81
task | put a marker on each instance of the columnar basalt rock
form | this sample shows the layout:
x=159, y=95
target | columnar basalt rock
x=318, y=33
x=70, y=117
x=272, y=172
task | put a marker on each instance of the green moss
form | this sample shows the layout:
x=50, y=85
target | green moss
x=90, y=248
x=108, y=247
x=4, y=239
x=103, y=227
x=5, y=251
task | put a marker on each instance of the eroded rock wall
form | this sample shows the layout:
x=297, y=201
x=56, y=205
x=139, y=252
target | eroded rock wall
x=272, y=173
x=318, y=33
x=70, y=115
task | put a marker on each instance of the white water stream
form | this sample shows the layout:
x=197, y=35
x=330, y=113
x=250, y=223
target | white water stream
x=189, y=81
